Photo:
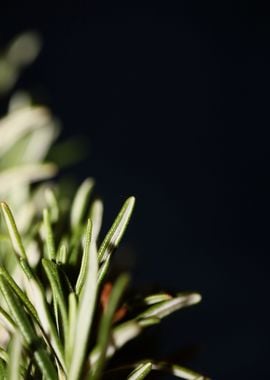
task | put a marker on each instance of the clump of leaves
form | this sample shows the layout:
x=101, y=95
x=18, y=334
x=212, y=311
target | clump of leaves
x=62, y=315
x=64, y=320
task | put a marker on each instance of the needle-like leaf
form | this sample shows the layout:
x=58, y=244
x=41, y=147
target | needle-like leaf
x=80, y=202
x=83, y=270
x=25, y=174
x=49, y=238
x=6, y=321
x=31, y=338
x=162, y=309
x=85, y=315
x=54, y=279
x=13, y=231
x=72, y=317
x=178, y=371
x=20, y=122
x=22, y=296
x=140, y=372
x=114, y=236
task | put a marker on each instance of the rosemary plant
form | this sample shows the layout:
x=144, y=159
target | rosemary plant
x=62, y=316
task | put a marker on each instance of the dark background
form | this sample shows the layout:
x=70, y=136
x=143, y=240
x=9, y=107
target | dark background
x=174, y=98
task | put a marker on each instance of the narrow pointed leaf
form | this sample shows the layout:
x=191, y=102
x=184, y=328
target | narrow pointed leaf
x=54, y=279
x=22, y=321
x=96, y=214
x=4, y=355
x=178, y=371
x=22, y=296
x=114, y=237
x=80, y=202
x=83, y=270
x=62, y=254
x=49, y=238
x=72, y=317
x=140, y=372
x=85, y=315
x=117, y=230
x=6, y=321
x=13, y=231
x=157, y=298
x=52, y=204
x=25, y=174
x=37, y=296
x=165, y=308
x=14, y=126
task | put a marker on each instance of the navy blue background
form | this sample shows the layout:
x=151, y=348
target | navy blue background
x=174, y=99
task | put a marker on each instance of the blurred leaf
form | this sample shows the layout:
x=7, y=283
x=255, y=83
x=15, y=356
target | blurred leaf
x=80, y=202
x=19, y=123
x=18, y=176
x=165, y=308
x=13, y=368
x=140, y=372
x=49, y=238
x=178, y=371
x=24, y=49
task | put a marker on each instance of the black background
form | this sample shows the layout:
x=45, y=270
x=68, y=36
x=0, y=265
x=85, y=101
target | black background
x=174, y=99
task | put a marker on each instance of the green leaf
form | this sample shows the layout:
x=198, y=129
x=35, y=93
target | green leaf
x=13, y=231
x=52, y=204
x=58, y=293
x=140, y=372
x=16, y=239
x=13, y=367
x=80, y=203
x=6, y=321
x=157, y=298
x=178, y=371
x=165, y=308
x=172, y=369
x=31, y=338
x=25, y=174
x=96, y=214
x=114, y=236
x=37, y=295
x=19, y=123
x=83, y=270
x=4, y=355
x=49, y=238
x=2, y=369
x=17, y=290
x=75, y=245
x=105, y=325
x=61, y=257
x=85, y=315
x=72, y=317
